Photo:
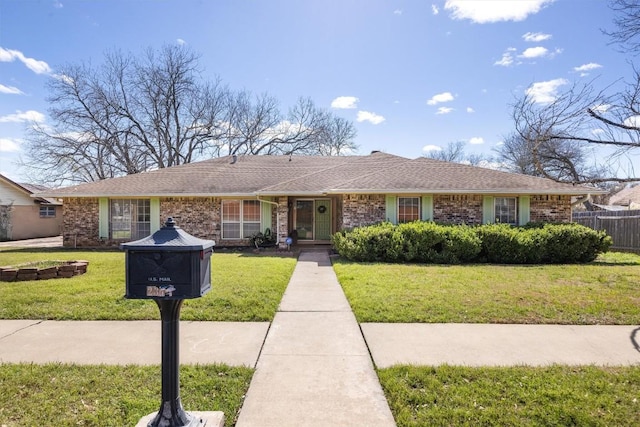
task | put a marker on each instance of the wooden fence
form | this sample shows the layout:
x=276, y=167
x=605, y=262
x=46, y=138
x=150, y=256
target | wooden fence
x=622, y=226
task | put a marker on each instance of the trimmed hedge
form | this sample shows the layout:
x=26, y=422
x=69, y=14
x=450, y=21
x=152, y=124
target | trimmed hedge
x=428, y=242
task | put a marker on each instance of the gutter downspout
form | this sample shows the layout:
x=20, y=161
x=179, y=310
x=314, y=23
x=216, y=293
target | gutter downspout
x=277, y=218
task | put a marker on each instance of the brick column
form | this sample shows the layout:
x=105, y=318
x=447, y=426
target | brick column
x=283, y=220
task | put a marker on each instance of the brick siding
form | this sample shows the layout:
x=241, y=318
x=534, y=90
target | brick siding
x=550, y=208
x=457, y=209
x=80, y=223
x=362, y=209
x=201, y=216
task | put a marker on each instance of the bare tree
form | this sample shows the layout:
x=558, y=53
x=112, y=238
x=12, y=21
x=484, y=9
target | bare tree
x=627, y=25
x=135, y=113
x=454, y=152
x=555, y=139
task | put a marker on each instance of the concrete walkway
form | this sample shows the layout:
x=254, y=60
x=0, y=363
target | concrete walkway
x=314, y=369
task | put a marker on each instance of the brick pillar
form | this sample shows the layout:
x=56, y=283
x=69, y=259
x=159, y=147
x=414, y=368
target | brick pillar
x=283, y=220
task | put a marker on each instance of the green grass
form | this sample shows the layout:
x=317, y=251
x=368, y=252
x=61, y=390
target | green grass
x=72, y=395
x=245, y=287
x=606, y=291
x=518, y=396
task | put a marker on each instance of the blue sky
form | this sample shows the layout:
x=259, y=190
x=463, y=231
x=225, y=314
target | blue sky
x=411, y=75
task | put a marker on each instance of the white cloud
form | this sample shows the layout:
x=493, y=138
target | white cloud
x=633, y=121
x=434, y=9
x=19, y=116
x=476, y=140
x=545, y=92
x=470, y=110
x=181, y=42
x=11, y=90
x=488, y=11
x=428, y=148
x=397, y=12
x=10, y=55
x=9, y=145
x=598, y=132
x=507, y=58
x=601, y=108
x=444, y=110
x=587, y=67
x=345, y=102
x=534, y=52
x=441, y=97
x=373, y=118
x=536, y=37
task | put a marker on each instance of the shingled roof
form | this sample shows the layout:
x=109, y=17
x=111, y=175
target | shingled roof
x=317, y=175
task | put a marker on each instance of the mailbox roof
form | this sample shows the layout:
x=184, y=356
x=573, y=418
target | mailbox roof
x=169, y=238
x=317, y=175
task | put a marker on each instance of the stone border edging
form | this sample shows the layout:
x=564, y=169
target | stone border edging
x=65, y=270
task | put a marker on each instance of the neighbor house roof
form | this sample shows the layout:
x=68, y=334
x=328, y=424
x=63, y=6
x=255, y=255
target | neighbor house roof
x=317, y=175
x=629, y=196
x=29, y=190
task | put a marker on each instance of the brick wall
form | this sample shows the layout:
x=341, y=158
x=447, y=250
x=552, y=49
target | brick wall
x=550, y=208
x=199, y=217
x=457, y=209
x=362, y=209
x=80, y=222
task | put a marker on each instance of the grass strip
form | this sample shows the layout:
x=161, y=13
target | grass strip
x=245, y=287
x=606, y=291
x=516, y=396
x=73, y=395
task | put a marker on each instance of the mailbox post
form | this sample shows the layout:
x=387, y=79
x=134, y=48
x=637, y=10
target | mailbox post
x=169, y=266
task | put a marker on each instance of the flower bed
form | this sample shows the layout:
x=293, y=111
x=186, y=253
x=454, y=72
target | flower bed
x=61, y=269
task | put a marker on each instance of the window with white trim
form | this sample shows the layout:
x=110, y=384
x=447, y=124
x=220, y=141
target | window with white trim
x=506, y=210
x=47, y=211
x=129, y=219
x=240, y=218
x=408, y=209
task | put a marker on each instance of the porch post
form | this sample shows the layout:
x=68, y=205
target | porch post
x=283, y=216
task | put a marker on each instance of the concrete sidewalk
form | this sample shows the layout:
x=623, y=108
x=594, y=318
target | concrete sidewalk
x=314, y=369
x=133, y=342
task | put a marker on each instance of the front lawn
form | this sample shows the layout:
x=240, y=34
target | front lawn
x=245, y=287
x=606, y=291
x=515, y=396
x=72, y=395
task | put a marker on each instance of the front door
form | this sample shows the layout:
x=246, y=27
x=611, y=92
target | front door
x=313, y=219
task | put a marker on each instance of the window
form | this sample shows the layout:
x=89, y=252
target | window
x=240, y=218
x=408, y=209
x=506, y=211
x=129, y=218
x=47, y=211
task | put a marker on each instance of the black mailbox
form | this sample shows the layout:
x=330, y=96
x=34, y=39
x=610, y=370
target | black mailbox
x=169, y=264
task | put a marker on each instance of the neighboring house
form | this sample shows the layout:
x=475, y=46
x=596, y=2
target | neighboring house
x=23, y=216
x=229, y=199
x=627, y=198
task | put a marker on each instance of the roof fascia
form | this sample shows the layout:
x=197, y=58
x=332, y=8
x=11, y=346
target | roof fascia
x=470, y=191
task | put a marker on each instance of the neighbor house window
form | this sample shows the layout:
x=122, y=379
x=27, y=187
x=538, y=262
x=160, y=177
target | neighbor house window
x=47, y=211
x=240, y=218
x=129, y=218
x=506, y=211
x=408, y=209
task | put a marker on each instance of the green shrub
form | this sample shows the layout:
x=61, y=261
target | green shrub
x=428, y=242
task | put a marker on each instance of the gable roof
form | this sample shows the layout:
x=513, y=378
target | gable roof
x=626, y=197
x=317, y=175
x=28, y=190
